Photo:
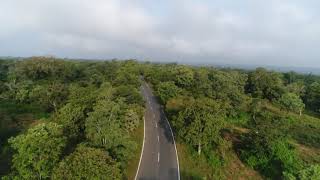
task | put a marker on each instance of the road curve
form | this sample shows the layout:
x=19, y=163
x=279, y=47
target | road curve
x=159, y=159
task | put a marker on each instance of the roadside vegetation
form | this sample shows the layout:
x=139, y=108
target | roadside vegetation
x=67, y=119
x=236, y=124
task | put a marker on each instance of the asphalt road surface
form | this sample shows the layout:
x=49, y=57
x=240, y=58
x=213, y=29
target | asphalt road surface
x=159, y=159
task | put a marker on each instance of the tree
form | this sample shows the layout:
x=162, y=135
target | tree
x=38, y=151
x=228, y=87
x=264, y=84
x=131, y=120
x=130, y=93
x=202, y=84
x=274, y=157
x=51, y=96
x=103, y=124
x=103, y=129
x=255, y=107
x=128, y=74
x=83, y=96
x=297, y=88
x=72, y=117
x=183, y=76
x=167, y=90
x=87, y=163
x=312, y=97
x=36, y=68
x=203, y=121
x=292, y=102
x=23, y=90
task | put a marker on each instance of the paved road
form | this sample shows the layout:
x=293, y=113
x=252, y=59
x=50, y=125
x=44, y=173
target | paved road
x=159, y=157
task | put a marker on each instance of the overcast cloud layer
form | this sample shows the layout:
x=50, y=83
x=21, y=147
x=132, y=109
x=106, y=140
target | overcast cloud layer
x=269, y=32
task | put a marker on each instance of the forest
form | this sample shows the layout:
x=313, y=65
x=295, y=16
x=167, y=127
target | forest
x=75, y=119
x=69, y=119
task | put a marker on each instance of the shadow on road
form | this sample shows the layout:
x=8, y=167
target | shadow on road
x=165, y=126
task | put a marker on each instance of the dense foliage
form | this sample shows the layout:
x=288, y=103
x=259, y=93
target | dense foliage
x=207, y=105
x=73, y=119
x=63, y=119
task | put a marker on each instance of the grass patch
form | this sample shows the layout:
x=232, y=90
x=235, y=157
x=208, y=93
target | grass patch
x=237, y=170
x=137, y=135
x=191, y=166
x=194, y=167
x=309, y=155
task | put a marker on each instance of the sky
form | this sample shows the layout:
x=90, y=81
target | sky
x=249, y=32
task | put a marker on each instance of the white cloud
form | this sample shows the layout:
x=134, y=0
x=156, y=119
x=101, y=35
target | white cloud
x=265, y=32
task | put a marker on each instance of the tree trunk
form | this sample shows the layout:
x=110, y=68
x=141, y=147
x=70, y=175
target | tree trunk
x=300, y=112
x=199, y=148
x=54, y=106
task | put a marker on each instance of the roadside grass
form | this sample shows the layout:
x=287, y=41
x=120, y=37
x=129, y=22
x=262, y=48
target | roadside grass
x=191, y=167
x=303, y=130
x=194, y=167
x=137, y=136
x=235, y=169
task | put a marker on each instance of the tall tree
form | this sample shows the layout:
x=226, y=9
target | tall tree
x=292, y=102
x=51, y=96
x=183, y=76
x=312, y=97
x=87, y=163
x=38, y=151
x=103, y=129
x=103, y=124
x=72, y=117
x=167, y=90
x=264, y=84
x=203, y=121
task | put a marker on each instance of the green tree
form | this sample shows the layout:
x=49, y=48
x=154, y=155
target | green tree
x=51, y=96
x=72, y=117
x=292, y=102
x=167, y=90
x=103, y=124
x=297, y=88
x=37, y=68
x=103, y=129
x=38, y=151
x=265, y=84
x=312, y=97
x=130, y=93
x=228, y=87
x=203, y=121
x=202, y=85
x=183, y=76
x=131, y=120
x=87, y=163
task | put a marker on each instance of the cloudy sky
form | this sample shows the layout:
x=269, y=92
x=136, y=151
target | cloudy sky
x=260, y=32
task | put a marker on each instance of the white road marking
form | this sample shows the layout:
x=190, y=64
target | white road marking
x=156, y=125
x=158, y=157
x=158, y=138
x=144, y=138
x=175, y=147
